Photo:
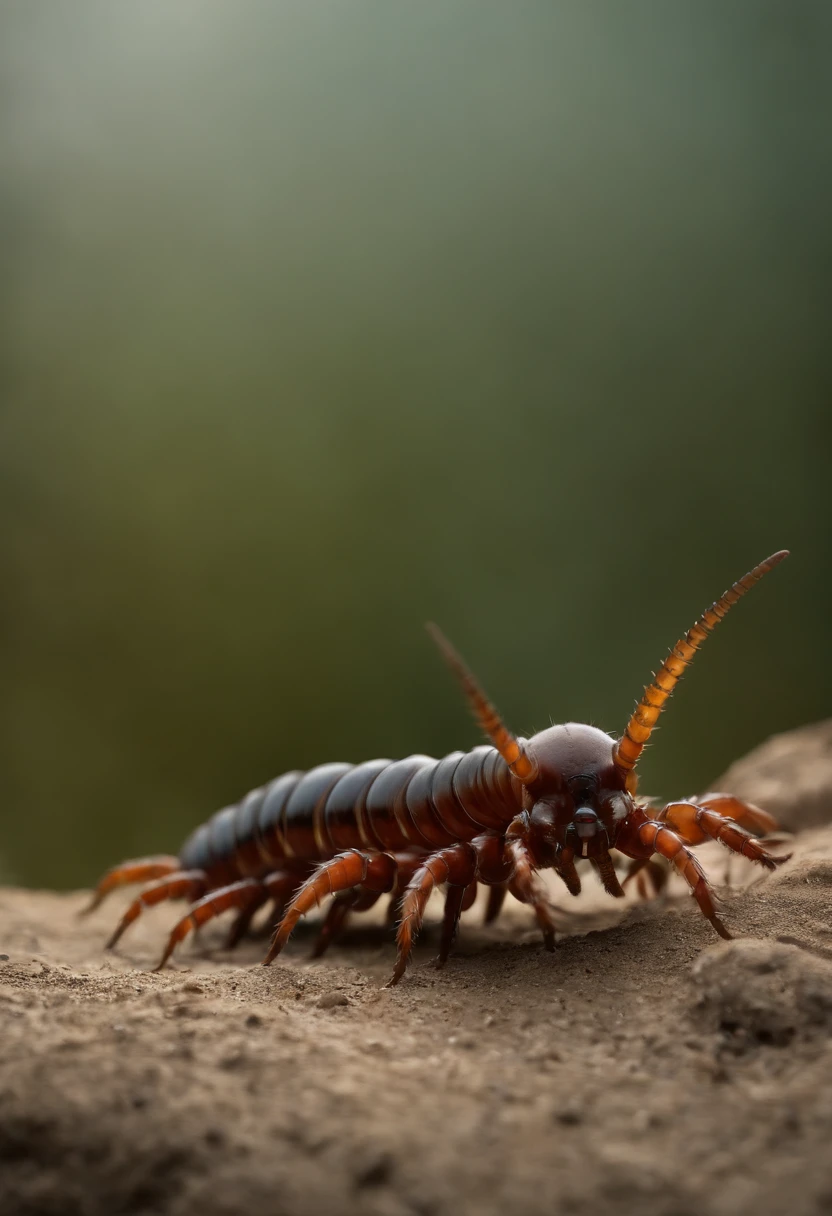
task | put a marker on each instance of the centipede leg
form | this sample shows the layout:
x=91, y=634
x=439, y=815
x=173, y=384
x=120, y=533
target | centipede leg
x=376, y=872
x=184, y=884
x=240, y=894
x=281, y=887
x=140, y=869
x=651, y=877
x=696, y=823
x=335, y=919
x=406, y=866
x=496, y=898
x=746, y=814
x=338, y=913
x=277, y=886
x=456, y=866
x=565, y=869
x=242, y=921
x=454, y=899
x=526, y=887
x=666, y=842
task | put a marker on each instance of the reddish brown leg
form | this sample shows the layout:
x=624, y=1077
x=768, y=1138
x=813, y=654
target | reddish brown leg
x=744, y=813
x=633, y=869
x=338, y=913
x=454, y=906
x=526, y=887
x=457, y=866
x=565, y=869
x=334, y=921
x=281, y=887
x=376, y=871
x=407, y=864
x=248, y=892
x=470, y=896
x=242, y=922
x=184, y=884
x=141, y=869
x=496, y=898
x=667, y=843
x=605, y=868
x=696, y=823
x=651, y=877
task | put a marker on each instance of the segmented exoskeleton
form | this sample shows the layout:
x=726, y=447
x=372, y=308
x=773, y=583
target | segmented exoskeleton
x=494, y=815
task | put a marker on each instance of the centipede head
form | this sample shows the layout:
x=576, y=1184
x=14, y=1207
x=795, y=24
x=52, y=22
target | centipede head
x=579, y=783
x=572, y=786
x=580, y=797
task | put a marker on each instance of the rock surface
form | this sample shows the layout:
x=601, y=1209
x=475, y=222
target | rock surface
x=763, y=992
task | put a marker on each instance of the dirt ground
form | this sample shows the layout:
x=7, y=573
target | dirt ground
x=645, y=1067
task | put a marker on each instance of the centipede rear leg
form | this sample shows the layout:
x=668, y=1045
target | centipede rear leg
x=139, y=869
x=182, y=884
x=247, y=894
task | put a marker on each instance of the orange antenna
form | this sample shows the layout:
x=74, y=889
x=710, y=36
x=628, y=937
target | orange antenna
x=486, y=715
x=672, y=669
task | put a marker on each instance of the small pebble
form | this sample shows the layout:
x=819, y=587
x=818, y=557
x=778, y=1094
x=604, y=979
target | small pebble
x=330, y=1000
x=4, y=958
x=374, y=1170
x=570, y=1115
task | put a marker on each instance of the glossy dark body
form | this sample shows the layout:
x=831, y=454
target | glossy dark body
x=418, y=803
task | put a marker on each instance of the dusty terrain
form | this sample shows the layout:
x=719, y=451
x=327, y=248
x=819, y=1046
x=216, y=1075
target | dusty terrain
x=646, y=1067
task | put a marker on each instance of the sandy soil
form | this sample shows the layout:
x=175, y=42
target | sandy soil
x=646, y=1067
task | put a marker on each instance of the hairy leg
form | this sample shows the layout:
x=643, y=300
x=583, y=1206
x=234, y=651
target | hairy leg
x=695, y=823
x=605, y=868
x=140, y=869
x=245, y=894
x=744, y=813
x=455, y=866
x=525, y=886
x=338, y=912
x=375, y=871
x=565, y=869
x=183, y=884
x=659, y=838
x=407, y=864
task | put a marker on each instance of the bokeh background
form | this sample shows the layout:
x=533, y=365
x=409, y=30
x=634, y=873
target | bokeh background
x=319, y=320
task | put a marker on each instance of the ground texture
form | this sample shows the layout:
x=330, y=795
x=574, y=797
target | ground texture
x=644, y=1068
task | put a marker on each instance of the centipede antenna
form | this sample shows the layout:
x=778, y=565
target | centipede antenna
x=655, y=695
x=485, y=713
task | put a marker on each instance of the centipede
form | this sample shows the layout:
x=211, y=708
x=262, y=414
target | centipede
x=491, y=817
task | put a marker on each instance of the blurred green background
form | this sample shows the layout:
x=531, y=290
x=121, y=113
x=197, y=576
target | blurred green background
x=319, y=320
